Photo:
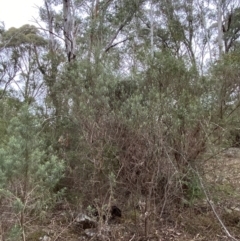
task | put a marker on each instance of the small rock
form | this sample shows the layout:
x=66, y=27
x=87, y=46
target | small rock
x=90, y=232
x=85, y=222
x=45, y=238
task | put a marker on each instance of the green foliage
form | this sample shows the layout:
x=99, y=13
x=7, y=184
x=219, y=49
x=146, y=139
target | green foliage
x=192, y=189
x=25, y=35
x=27, y=165
x=127, y=115
x=9, y=106
x=14, y=234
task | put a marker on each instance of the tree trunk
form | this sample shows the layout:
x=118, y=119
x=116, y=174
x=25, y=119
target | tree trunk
x=220, y=32
x=68, y=30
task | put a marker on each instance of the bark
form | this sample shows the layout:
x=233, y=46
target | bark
x=50, y=26
x=151, y=11
x=220, y=32
x=69, y=31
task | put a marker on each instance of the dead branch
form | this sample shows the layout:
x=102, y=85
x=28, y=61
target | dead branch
x=212, y=207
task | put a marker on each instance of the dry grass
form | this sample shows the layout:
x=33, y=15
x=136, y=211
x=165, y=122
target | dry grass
x=192, y=223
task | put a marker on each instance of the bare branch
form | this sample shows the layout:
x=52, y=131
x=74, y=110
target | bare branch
x=212, y=207
x=122, y=25
x=113, y=45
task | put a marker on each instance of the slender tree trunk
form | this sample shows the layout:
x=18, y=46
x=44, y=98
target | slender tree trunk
x=151, y=12
x=201, y=5
x=50, y=26
x=69, y=30
x=220, y=32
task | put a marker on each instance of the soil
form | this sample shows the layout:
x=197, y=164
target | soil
x=196, y=222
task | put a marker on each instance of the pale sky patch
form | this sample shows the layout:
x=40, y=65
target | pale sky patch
x=15, y=13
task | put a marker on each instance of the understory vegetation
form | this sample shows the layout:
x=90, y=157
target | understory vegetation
x=128, y=103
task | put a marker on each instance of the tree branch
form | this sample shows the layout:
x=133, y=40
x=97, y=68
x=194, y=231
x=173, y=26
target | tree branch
x=113, y=45
x=212, y=206
x=110, y=44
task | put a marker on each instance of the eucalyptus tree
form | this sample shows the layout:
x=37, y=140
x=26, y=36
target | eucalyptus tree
x=231, y=29
x=84, y=37
x=225, y=24
x=8, y=67
x=134, y=61
x=225, y=33
x=22, y=46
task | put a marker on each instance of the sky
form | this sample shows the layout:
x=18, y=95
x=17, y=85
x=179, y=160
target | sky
x=15, y=13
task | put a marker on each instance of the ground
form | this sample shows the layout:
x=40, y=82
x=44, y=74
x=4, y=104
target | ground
x=196, y=222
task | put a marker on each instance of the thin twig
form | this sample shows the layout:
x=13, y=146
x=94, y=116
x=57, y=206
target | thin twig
x=212, y=206
x=132, y=237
